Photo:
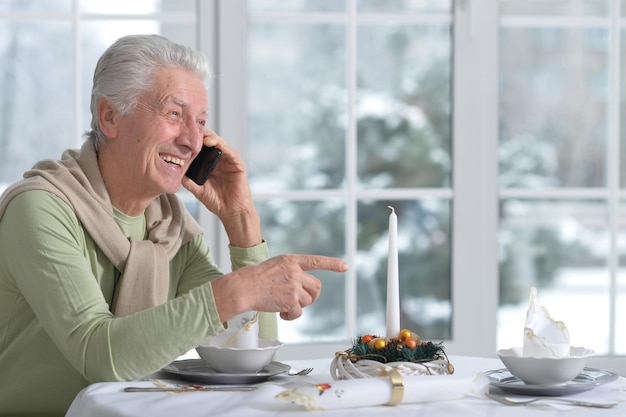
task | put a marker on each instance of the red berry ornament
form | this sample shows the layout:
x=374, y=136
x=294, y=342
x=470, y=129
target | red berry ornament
x=410, y=343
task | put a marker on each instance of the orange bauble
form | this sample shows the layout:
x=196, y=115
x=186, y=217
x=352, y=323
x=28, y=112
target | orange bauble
x=410, y=343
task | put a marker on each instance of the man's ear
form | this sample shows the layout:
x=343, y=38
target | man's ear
x=107, y=118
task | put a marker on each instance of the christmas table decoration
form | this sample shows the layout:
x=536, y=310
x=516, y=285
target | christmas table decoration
x=373, y=356
x=402, y=350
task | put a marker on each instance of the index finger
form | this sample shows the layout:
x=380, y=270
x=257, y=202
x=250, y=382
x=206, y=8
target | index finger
x=319, y=262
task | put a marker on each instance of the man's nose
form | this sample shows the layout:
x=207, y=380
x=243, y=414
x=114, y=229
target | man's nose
x=192, y=132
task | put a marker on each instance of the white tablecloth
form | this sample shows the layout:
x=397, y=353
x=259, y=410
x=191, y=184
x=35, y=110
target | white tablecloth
x=109, y=399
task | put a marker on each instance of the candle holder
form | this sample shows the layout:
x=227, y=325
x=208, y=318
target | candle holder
x=403, y=350
x=373, y=356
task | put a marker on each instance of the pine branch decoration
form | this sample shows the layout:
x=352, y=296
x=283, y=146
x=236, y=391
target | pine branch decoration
x=396, y=350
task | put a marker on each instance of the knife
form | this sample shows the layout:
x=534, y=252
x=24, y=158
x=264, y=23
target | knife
x=191, y=389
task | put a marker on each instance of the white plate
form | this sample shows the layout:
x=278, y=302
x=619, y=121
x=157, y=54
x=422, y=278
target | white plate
x=195, y=370
x=588, y=379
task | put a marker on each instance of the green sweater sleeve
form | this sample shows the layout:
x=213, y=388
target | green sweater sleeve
x=197, y=274
x=55, y=281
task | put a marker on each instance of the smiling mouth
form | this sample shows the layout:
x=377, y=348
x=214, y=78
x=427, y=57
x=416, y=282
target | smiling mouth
x=172, y=160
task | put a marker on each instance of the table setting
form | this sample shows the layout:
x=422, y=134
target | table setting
x=467, y=392
x=236, y=373
x=547, y=370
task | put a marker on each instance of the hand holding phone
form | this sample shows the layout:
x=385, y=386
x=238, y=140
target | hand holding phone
x=204, y=163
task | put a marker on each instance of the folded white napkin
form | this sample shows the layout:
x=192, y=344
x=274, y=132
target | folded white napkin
x=242, y=332
x=367, y=392
x=544, y=336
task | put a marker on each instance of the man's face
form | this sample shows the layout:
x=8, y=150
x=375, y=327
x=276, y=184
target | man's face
x=157, y=141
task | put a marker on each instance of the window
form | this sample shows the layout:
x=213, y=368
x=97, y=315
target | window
x=348, y=109
x=343, y=124
x=517, y=193
x=48, y=53
x=493, y=127
x=561, y=173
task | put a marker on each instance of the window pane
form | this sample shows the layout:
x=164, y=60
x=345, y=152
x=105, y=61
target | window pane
x=37, y=103
x=137, y=6
x=424, y=248
x=546, y=75
x=620, y=314
x=296, y=5
x=422, y=6
x=620, y=296
x=108, y=31
x=297, y=106
x=554, y=7
x=315, y=227
x=562, y=248
x=404, y=105
x=622, y=110
x=36, y=6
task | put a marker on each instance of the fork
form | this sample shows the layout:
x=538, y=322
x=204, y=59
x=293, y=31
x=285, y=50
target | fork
x=510, y=401
x=303, y=372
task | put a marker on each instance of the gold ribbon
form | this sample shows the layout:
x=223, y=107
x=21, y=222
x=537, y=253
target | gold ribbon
x=397, y=386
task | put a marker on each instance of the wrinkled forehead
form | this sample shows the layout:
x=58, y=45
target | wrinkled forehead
x=178, y=87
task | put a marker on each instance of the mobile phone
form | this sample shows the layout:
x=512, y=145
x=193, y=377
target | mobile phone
x=203, y=164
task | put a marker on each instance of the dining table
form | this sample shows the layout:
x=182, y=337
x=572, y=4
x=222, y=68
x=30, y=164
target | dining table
x=470, y=390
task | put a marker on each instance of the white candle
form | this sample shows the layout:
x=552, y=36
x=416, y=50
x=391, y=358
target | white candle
x=393, y=280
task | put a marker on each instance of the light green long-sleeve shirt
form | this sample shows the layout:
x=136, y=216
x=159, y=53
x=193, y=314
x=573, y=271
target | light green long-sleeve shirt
x=57, y=334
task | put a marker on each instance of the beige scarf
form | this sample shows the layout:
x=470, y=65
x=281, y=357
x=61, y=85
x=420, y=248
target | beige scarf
x=144, y=265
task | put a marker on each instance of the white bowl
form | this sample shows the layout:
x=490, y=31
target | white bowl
x=547, y=370
x=237, y=361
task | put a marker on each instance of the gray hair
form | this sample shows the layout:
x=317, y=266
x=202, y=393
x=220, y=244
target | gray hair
x=126, y=71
